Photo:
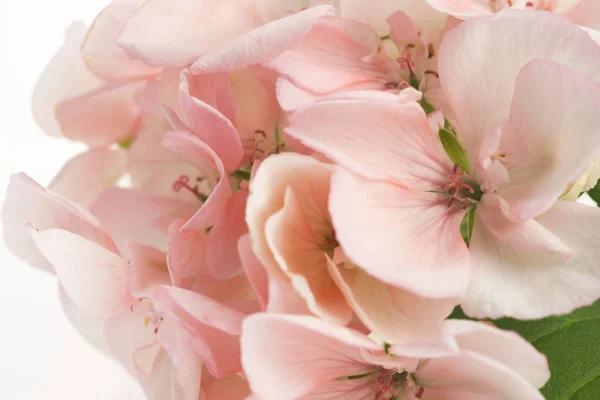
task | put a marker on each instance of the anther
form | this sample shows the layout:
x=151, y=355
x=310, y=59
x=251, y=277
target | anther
x=184, y=183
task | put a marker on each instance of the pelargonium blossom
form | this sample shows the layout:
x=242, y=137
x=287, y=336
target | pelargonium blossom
x=300, y=357
x=403, y=199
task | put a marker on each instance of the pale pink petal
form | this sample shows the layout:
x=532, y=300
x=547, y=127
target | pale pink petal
x=480, y=89
x=214, y=327
x=148, y=270
x=222, y=257
x=187, y=365
x=403, y=30
x=177, y=32
x=29, y=203
x=86, y=176
x=96, y=279
x=492, y=364
x=128, y=332
x=332, y=57
x=213, y=89
x=254, y=270
x=261, y=44
x=301, y=253
x=505, y=347
x=186, y=253
x=283, y=298
x=267, y=192
x=585, y=13
x=355, y=389
x=189, y=145
x=103, y=116
x=395, y=315
x=52, y=87
x=527, y=235
x=463, y=9
x=231, y=388
x=290, y=356
x=209, y=124
x=403, y=150
x=405, y=238
x=529, y=285
x=135, y=217
x=562, y=141
x=100, y=50
x=374, y=14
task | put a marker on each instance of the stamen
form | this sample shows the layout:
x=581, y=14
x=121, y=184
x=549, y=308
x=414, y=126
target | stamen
x=455, y=186
x=406, y=62
x=183, y=183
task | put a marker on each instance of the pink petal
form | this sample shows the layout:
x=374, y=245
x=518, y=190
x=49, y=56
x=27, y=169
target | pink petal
x=374, y=14
x=214, y=327
x=101, y=117
x=189, y=145
x=298, y=248
x=254, y=270
x=186, y=253
x=213, y=89
x=177, y=32
x=505, y=347
x=409, y=239
x=332, y=57
x=127, y=333
x=148, y=270
x=395, y=315
x=222, y=257
x=53, y=87
x=96, y=279
x=290, y=356
x=231, y=388
x=28, y=202
x=267, y=192
x=529, y=284
x=210, y=125
x=527, y=235
x=585, y=13
x=86, y=176
x=100, y=50
x=462, y=9
x=471, y=77
x=261, y=44
x=562, y=141
x=383, y=141
x=134, y=219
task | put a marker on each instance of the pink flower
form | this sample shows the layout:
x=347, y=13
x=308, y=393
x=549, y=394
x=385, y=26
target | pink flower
x=293, y=235
x=342, y=55
x=297, y=357
x=581, y=12
x=398, y=204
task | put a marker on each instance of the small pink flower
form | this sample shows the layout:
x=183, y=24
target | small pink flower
x=298, y=357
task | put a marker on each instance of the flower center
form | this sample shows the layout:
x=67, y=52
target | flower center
x=152, y=318
x=458, y=190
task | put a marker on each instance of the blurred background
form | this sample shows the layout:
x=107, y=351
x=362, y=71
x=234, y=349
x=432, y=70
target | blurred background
x=42, y=357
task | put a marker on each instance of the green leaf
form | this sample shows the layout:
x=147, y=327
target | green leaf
x=594, y=193
x=466, y=225
x=572, y=345
x=454, y=149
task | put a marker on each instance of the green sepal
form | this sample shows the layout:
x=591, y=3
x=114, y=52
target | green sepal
x=454, y=149
x=466, y=225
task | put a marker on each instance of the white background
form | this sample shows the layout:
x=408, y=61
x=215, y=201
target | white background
x=42, y=357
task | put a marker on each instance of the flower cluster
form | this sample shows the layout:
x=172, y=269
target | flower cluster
x=286, y=199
